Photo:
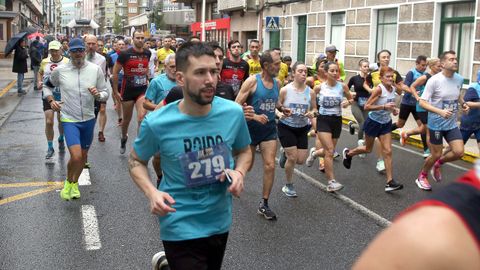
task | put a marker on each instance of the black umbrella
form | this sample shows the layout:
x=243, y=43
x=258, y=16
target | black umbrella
x=29, y=30
x=49, y=38
x=12, y=43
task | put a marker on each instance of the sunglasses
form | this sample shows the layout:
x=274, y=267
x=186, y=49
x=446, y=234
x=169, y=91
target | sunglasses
x=77, y=50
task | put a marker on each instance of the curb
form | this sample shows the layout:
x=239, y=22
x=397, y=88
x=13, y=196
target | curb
x=417, y=142
x=7, y=88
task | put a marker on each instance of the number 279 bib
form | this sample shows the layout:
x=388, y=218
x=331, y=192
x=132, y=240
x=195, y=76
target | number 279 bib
x=205, y=166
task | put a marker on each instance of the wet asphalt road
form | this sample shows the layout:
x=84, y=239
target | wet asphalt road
x=314, y=231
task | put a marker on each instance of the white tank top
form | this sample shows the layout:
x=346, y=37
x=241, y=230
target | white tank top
x=383, y=116
x=299, y=103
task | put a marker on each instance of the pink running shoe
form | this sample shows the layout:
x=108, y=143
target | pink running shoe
x=422, y=182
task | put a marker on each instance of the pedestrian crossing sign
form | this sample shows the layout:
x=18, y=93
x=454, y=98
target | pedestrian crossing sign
x=272, y=23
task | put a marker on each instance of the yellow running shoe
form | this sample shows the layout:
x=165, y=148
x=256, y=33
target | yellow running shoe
x=75, y=193
x=66, y=190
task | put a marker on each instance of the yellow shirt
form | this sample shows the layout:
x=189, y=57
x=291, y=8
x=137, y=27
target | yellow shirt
x=161, y=55
x=254, y=66
x=283, y=73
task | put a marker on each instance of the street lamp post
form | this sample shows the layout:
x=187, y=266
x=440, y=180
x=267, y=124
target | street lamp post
x=123, y=25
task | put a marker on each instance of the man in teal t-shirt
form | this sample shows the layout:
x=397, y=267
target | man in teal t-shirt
x=195, y=137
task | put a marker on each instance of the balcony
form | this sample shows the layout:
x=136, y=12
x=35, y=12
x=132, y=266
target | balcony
x=190, y=2
x=230, y=5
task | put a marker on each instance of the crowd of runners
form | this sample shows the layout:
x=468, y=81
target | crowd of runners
x=203, y=111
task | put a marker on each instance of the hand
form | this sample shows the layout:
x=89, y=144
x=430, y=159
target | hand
x=310, y=114
x=93, y=90
x=248, y=111
x=55, y=106
x=396, y=111
x=287, y=112
x=261, y=118
x=353, y=94
x=446, y=113
x=39, y=85
x=390, y=106
x=118, y=97
x=465, y=108
x=345, y=104
x=236, y=187
x=160, y=203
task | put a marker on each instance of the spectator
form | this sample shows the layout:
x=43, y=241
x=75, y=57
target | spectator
x=20, y=65
x=36, y=56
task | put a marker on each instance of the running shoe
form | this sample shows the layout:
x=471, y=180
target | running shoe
x=422, y=182
x=380, y=166
x=101, y=137
x=266, y=212
x=159, y=261
x=87, y=165
x=66, y=190
x=347, y=160
x=311, y=157
x=123, y=145
x=361, y=143
x=61, y=146
x=392, y=186
x=334, y=186
x=436, y=173
x=336, y=154
x=351, y=128
x=282, y=159
x=426, y=153
x=50, y=153
x=289, y=191
x=74, y=193
x=21, y=93
x=403, y=137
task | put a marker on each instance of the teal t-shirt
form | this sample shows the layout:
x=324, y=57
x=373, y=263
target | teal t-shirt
x=193, y=152
x=159, y=87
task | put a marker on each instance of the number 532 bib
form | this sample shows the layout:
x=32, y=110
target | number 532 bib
x=205, y=166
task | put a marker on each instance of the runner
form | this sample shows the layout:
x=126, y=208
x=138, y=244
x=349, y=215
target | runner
x=134, y=62
x=235, y=70
x=253, y=59
x=100, y=106
x=80, y=83
x=65, y=48
x=111, y=60
x=373, y=80
x=283, y=73
x=470, y=123
x=194, y=206
x=152, y=65
x=440, y=98
x=163, y=52
x=160, y=86
x=408, y=105
x=46, y=67
x=329, y=121
x=417, y=89
x=261, y=91
x=378, y=125
x=292, y=131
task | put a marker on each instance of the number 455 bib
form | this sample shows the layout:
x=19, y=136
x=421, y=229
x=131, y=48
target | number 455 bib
x=205, y=166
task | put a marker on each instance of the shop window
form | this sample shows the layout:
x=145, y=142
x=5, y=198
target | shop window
x=387, y=32
x=337, y=32
x=456, y=33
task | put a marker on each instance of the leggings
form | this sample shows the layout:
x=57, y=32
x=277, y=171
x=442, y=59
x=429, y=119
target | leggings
x=360, y=115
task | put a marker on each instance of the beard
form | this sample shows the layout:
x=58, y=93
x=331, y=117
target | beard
x=78, y=62
x=90, y=55
x=197, y=97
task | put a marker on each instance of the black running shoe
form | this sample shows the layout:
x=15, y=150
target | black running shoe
x=123, y=145
x=283, y=158
x=351, y=128
x=347, y=160
x=266, y=212
x=392, y=186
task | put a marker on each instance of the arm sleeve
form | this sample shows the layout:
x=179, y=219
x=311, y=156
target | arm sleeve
x=145, y=144
x=409, y=78
x=51, y=82
x=101, y=85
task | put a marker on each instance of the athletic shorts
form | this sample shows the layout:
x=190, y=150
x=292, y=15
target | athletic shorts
x=262, y=133
x=79, y=133
x=201, y=253
x=331, y=124
x=436, y=136
x=406, y=110
x=374, y=129
x=46, y=105
x=467, y=133
x=292, y=136
x=132, y=95
x=423, y=116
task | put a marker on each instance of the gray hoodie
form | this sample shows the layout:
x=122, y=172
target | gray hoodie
x=74, y=82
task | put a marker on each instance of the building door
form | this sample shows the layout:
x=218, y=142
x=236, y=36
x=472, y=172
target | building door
x=302, y=38
x=274, y=39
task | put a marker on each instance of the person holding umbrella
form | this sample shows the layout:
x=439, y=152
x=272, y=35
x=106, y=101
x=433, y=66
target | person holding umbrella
x=20, y=65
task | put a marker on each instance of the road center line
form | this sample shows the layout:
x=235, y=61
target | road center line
x=91, y=234
x=84, y=179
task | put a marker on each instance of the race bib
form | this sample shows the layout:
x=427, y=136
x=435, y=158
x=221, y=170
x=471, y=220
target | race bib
x=298, y=109
x=362, y=101
x=451, y=105
x=331, y=102
x=205, y=166
x=139, y=80
x=267, y=105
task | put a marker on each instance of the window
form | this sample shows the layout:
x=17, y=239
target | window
x=387, y=32
x=132, y=10
x=1, y=31
x=215, y=8
x=456, y=33
x=337, y=33
x=132, y=1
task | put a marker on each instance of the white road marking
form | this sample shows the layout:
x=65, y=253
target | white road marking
x=91, y=234
x=84, y=179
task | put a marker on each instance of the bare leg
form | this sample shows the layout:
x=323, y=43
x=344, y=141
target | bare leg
x=269, y=151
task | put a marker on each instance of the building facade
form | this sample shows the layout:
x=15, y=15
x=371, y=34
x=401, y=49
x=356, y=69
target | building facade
x=360, y=28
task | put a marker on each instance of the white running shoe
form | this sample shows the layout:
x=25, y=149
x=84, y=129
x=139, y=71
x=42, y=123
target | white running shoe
x=311, y=157
x=381, y=166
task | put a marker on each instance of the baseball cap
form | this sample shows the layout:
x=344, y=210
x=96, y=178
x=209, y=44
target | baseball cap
x=54, y=45
x=321, y=56
x=331, y=48
x=76, y=43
